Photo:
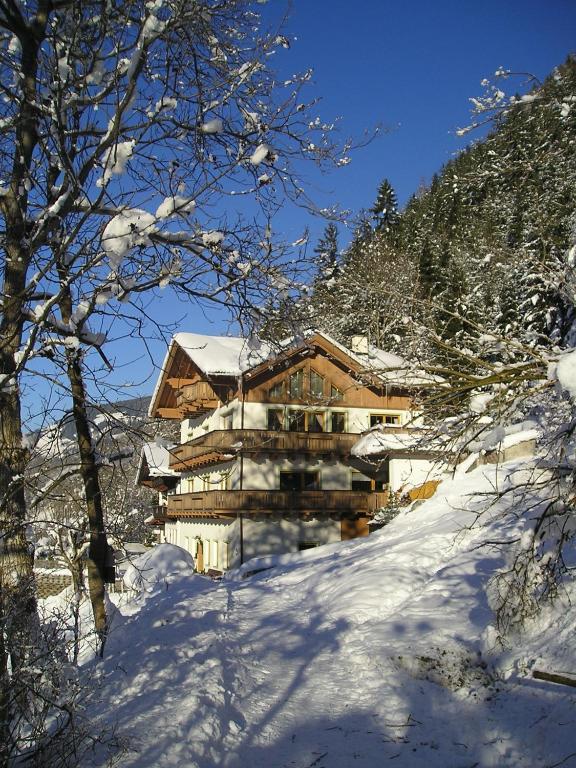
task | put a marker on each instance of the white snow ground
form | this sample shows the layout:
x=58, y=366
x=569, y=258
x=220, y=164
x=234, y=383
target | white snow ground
x=375, y=652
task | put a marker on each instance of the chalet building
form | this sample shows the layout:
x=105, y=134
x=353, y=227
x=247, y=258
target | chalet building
x=265, y=462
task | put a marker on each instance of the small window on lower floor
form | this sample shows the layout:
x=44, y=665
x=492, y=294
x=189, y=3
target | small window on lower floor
x=360, y=482
x=338, y=422
x=299, y=481
x=384, y=418
x=275, y=419
x=302, y=545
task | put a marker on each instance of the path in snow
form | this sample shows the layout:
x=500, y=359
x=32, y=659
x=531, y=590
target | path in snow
x=318, y=664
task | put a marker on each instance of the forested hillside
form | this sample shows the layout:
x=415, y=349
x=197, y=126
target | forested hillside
x=484, y=249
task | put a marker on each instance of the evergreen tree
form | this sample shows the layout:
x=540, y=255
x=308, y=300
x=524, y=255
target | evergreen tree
x=385, y=209
x=327, y=254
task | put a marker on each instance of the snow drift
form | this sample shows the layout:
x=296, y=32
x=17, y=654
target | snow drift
x=359, y=653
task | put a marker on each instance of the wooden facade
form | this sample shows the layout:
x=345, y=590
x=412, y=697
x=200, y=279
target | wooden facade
x=185, y=390
x=222, y=444
x=295, y=409
x=271, y=502
x=359, y=388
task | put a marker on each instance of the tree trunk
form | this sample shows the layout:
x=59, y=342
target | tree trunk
x=19, y=624
x=18, y=618
x=98, y=548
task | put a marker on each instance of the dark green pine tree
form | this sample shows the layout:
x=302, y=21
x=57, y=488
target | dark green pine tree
x=385, y=209
x=327, y=254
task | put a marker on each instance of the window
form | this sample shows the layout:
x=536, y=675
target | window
x=316, y=385
x=360, y=482
x=296, y=384
x=275, y=419
x=302, y=545
x=276, y=391
x=305, y=421
x=335, y=393
x=299, y=481
x=338, y=421
x=315, y=422
x=296, y=421
x=384, y=418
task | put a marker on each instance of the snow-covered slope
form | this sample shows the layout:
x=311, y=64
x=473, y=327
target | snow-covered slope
x=367, y=653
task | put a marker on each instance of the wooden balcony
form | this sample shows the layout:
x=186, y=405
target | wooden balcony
x=198, y=397
x=220, y=445
x=229, y=503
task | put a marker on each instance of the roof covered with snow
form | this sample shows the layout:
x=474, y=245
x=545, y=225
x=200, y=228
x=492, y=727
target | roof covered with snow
x=222, y=355
x=377, y=441
x=232, y=356
x=154, y=460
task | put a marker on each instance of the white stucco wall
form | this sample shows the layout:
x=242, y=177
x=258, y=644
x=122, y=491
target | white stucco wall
x=264, y=474
x=409, y=473
x=267, y=537
x=224, y=534
x=261, y=536
x=256, y=417
x=218, y=477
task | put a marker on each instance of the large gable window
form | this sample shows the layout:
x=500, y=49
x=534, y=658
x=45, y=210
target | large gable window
x=296, y=384
x=276, y=391
x=335, y=393
x=316, y=384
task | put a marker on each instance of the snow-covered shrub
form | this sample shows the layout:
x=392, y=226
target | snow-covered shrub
x=163, y=564
x=452, y=668
x=387, y=513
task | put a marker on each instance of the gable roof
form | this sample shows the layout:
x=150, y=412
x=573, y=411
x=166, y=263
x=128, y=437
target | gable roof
x=222, y=355
x=228, y=357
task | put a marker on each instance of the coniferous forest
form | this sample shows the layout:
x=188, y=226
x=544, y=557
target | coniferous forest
x=483, y=251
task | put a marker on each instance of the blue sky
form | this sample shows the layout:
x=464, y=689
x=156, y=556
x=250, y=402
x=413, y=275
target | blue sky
x=410, y=67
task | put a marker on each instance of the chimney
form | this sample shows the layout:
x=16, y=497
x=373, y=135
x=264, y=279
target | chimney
x=359, y=345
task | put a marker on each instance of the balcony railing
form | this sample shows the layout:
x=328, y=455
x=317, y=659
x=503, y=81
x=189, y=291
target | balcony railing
x=225, y=503
x=197, y=397
x=220, y=444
